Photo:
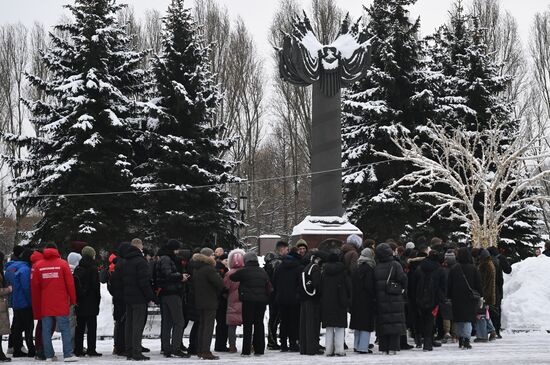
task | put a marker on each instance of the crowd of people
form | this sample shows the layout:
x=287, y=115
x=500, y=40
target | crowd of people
x=429, y=292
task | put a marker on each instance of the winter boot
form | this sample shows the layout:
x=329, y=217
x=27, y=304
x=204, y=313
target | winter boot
x=460, y=342
x=466, y=344
x=208, y=356
x=493, y=336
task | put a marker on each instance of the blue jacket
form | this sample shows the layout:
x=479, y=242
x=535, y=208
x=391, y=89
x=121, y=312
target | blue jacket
x=18, y=275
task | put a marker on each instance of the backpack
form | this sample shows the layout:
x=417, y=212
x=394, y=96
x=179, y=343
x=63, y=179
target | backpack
x=308, y=287
x=425, y=297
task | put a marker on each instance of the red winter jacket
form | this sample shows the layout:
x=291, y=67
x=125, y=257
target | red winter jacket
x=53, y=280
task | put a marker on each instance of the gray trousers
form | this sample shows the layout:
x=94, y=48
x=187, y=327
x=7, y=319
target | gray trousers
x=171, y=331
x=136, y=315
x=206, y=329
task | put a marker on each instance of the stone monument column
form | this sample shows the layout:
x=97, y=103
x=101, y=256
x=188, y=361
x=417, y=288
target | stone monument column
x=326, y=155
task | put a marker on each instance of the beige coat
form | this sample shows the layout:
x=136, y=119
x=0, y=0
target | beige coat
x=4, y=316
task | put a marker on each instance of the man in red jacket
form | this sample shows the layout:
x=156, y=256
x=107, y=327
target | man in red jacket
x=53, y=282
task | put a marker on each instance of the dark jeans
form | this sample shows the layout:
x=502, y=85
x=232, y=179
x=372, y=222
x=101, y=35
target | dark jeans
x=194, y=338
x=253, y=321
x=290, y=321
x=22, y=322
x=425, y=326
x=221, y=326
x=84, y=323
x=494, y=313
x=171, y=332
x=272, y=325
x=206, y=330
x=119, y=315
x=388, y=343
x=136, y=315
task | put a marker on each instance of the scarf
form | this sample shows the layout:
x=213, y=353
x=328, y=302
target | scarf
x=367, y=256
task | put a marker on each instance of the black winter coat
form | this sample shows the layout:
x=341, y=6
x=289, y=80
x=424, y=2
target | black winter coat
x=136, y=278
x=335, y=295
x=88, y=292
x=363, y=305
x=254, y=283
x=286, y=281
x=391, y=308
x=207, y=283
x=168, y=278
x=464, y=309
x=116, y=285
x=428, y=285
x=502, y=266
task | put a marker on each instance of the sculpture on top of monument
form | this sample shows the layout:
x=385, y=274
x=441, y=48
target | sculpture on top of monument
x=303, y=60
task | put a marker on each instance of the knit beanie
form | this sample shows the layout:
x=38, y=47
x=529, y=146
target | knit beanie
x=173, y=245
x=302, y=243
x=88, y=251
x=249, y=257
x=450, y=254
x=409, y=246
x=73, y=259
x=355, y=240
x=484, y=254
x=207, y=252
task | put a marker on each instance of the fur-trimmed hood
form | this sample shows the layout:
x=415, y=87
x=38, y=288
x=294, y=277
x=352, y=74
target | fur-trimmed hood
x=235, y=259
x=200, y=258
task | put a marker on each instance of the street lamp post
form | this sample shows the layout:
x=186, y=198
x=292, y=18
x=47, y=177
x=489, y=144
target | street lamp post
x=242, y=205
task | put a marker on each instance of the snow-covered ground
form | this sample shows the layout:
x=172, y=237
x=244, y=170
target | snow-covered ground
x=514, y=349
x=525, y=307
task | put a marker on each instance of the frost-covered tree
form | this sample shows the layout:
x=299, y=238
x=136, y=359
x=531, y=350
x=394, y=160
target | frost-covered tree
x=486, y=186
x=463, y=87
x=375, y=109
x=83, y=150
x=178, y=149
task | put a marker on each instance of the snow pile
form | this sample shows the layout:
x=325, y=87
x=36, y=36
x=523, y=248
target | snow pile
x=312, y=225
x=527, y=295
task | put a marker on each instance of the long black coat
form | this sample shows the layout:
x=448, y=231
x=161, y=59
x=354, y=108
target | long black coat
x=363, y=305
x=428, y=272
x=136, y=278
x=254, y=283
x=88, y=293
x=464, y=309
x=286, y=281
x=391, y=308
x=335, y=295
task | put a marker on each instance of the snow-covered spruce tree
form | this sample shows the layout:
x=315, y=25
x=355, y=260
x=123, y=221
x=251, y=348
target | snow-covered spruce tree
x=461, y=88
x=83, y=144
x=180, y=148
x=373, y=110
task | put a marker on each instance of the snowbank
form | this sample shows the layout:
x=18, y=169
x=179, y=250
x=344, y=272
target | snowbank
x=527, y=295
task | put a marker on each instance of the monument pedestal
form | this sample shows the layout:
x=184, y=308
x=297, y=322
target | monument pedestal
x=324, y=232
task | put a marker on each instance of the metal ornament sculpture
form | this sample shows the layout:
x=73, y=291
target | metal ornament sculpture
x=304, y=61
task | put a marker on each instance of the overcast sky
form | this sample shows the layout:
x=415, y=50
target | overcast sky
x=257, y=14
